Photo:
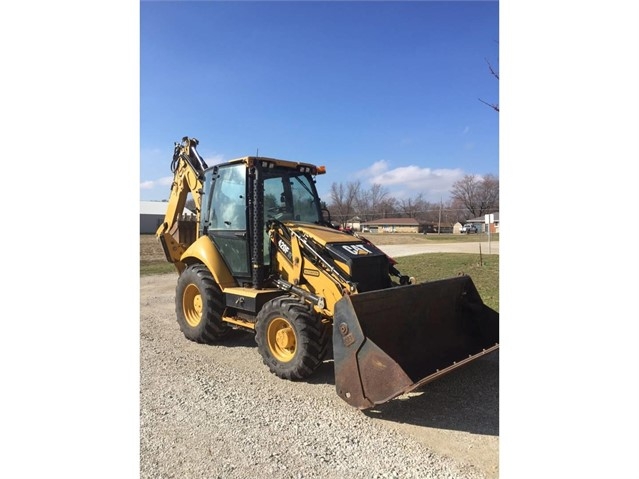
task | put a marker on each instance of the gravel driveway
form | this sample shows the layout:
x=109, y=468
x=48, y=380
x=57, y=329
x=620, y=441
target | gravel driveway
x=217, y=412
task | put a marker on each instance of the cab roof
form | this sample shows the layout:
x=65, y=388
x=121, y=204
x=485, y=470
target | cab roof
x=266, y=162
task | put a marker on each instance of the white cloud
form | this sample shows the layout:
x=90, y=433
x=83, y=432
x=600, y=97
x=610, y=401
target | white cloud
x=375, y=169
x=408, y=181
x=150, y=184
x=214, y=159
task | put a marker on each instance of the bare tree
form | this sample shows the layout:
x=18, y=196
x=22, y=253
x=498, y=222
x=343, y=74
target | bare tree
x=379, y=195
x=387, y=208
x=478, y=196
x=456, y=212
x=338, y=201
x=343, y=200
x=362, y=205
x=495, y=73
x=369, y=202
x=414, y=207
x=407, y=207
x=489, y=194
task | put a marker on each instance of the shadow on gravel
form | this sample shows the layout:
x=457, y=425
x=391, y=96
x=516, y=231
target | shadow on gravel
x=325, y=374
x=465, y=400
x=237, y=338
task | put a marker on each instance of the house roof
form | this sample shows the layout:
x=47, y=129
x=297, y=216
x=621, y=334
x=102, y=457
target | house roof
x=481, y=219
x=157, y=208
x=393, y=221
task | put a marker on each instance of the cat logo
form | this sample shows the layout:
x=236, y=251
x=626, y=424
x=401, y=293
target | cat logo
x=356, y=249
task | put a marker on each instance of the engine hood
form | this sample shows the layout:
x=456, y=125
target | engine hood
x=322, y=234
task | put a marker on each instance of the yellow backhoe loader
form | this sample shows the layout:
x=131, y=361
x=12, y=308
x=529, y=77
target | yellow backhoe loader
x=264, y=257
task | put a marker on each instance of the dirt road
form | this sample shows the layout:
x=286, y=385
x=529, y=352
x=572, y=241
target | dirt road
x=397, y=250
x=216, y=411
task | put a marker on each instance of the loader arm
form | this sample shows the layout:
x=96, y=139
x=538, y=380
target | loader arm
x=388, y=338
x=327, y=263
x=188, y=169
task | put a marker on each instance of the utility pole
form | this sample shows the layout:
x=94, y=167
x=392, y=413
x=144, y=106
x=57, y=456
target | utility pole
x=439, y=224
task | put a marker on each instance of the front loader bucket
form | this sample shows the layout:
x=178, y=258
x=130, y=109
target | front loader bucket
x=391, y=341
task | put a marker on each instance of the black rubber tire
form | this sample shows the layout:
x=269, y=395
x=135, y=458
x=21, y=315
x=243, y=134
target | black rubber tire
x=301, y=322
x=199, y=306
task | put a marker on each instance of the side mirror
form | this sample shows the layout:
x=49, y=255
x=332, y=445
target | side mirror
x=326, y=217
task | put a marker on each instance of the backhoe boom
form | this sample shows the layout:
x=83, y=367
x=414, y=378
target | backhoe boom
x=188, y=169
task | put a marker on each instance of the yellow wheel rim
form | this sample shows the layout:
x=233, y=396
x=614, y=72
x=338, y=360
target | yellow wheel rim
x=192, y=305
x=281, y=339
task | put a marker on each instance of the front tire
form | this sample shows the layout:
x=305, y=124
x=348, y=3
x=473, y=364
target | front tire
x=290, y=338
x=199, y=306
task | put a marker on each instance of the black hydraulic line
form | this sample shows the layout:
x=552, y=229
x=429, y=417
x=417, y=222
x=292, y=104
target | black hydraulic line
x=288, y=287
x=201, y=163
x=192, y=157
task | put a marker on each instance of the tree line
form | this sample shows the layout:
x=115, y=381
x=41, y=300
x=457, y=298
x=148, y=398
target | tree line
x=470, y=197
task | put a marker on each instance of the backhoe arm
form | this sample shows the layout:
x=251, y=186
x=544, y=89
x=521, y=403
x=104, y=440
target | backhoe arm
x=188, y=170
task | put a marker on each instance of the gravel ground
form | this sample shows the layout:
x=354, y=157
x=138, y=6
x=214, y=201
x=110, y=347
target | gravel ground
x=217, y=412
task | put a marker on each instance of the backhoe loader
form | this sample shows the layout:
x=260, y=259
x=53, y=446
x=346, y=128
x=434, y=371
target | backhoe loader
x=265, y=258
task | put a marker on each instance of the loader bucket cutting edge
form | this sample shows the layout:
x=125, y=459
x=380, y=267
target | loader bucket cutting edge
x=391, y=341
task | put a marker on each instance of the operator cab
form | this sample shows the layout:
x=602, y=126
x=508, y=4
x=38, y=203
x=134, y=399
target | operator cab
x=290, y=195
x=241, y=196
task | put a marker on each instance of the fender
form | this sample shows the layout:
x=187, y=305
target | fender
x=204, y=251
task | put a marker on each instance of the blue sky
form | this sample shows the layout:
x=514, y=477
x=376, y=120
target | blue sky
x=384, y=92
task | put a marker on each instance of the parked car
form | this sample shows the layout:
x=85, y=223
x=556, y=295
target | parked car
x=468, y=228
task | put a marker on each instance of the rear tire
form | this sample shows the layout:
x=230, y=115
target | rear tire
x=291, y=338
x=199, y=306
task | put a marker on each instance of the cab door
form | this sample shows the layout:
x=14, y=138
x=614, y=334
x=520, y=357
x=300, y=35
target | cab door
x=225, y=219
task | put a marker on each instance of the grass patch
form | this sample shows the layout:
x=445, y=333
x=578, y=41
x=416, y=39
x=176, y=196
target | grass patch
x=431, y=266
x=156, y=267
x=414, y=238
x=152, y=259
x=480, y=237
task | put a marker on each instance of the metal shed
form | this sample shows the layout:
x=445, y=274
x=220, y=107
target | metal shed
x=152, y=215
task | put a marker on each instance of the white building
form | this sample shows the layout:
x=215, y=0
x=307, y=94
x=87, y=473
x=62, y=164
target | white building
x=152, y=215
